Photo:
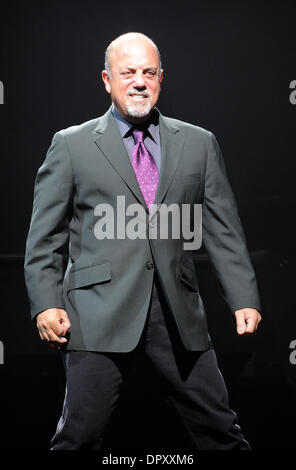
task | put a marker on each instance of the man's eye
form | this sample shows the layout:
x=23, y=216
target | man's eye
x=127, y=72
x=151, y=74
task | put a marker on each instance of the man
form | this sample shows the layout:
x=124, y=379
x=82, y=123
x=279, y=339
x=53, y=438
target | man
x=123, y=298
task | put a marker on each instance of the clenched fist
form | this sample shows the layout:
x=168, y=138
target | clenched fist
x=247, y=320
x=53, y=325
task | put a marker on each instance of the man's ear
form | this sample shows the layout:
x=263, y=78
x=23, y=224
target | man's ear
x=161, y=76
x=106, y=80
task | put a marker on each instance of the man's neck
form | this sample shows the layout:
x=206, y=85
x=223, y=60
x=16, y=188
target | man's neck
x=130, y=119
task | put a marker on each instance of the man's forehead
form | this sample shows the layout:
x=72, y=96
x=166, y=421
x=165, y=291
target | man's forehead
x=131, y=49
x=141, y=62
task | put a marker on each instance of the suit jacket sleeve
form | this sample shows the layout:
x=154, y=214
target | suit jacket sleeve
x=223, y=236
x=48, y=232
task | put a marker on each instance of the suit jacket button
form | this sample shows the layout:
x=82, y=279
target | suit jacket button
x=149, y=265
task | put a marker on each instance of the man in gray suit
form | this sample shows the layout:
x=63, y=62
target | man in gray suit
x=123, y=298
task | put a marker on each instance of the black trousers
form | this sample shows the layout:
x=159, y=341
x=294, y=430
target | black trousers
x=191, y=381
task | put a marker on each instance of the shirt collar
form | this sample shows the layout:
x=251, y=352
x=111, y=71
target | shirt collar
x=125, y=126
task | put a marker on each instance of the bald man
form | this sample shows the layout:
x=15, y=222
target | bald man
x=125, y=298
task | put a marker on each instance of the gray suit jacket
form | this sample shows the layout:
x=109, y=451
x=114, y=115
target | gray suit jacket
x=107, y=284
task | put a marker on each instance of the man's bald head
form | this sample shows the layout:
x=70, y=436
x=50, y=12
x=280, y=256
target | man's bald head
x=133, y=75
x=125, y=39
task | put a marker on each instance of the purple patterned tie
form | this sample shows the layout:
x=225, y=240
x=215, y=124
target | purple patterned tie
x=145, y=168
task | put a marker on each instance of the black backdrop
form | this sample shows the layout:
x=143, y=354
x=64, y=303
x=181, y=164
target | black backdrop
x=228, y=66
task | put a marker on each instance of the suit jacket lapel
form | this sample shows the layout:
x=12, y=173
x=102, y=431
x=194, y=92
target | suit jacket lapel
x=172, y=141
x=109, y=141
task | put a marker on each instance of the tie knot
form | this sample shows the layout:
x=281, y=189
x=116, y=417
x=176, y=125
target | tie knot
x=138, y=136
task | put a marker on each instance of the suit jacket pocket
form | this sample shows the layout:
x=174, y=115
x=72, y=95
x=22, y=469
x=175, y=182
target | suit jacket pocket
x=95, y=274
x=190, y=178
x=188, y=277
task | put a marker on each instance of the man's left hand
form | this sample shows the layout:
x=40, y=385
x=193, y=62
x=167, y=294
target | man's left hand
x=247, y=320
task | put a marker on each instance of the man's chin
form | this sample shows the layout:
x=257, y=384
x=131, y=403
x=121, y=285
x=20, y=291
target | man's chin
x=138, y=111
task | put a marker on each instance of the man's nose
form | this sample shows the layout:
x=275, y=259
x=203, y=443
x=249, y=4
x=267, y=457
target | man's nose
x=139, y=80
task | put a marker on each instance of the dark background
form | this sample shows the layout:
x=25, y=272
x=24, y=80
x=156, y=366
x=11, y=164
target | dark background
x=227, y=67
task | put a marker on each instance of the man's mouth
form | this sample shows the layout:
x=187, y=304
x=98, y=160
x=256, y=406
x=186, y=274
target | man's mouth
x=137, y=97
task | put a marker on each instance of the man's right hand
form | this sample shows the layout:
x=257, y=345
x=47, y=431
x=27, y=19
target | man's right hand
x=53, y=325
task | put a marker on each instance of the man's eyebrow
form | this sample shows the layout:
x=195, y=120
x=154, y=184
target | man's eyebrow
x=151, y=68
x=147, y=67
